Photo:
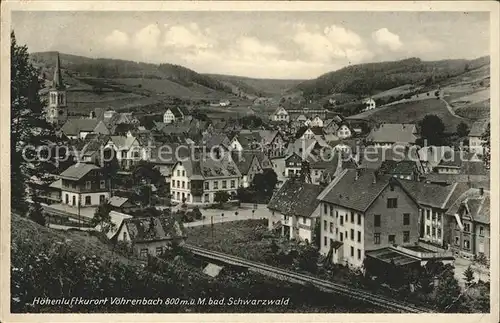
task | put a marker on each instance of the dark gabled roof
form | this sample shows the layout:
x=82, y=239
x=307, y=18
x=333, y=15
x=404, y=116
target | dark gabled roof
x=248, y=139
x=404, y=167
x=296, y=198
x=183, y=110
x=393, y=132
x=207, y=167
x=218, y=139
x=75, y=126
x=357, y=194
x=477, y=205
x=145, y=229
x=452, y=159
x=77, y=171
x=243, y=160
x=434, y=195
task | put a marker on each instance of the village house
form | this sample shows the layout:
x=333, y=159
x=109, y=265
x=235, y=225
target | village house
x=431, y=156
x=316, y=122
x=389, y=134
x=434, y=201
x=297, y=205
x=361, y=211
x=84, y=185
x=293, y=165
x=175, y=114
x=122, y=204
x=404, y=169
x=248, y=164
x=330, y=126
x=470, y=224
x=150, y=235
x=196, y=181
x=80, y=128
x=278, y=165
x=129, y=150
x=344, y=131
x=57, y=110
x=475, y=137
x=369, y=104
x=280, y=115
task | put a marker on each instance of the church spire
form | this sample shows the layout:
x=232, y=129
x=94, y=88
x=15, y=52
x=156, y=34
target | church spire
x=57, y=83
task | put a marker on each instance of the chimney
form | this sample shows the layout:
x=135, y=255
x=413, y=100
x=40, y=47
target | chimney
x=481, y=191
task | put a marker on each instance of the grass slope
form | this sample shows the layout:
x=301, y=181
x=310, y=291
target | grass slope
x=413, y=112
x=258, y=87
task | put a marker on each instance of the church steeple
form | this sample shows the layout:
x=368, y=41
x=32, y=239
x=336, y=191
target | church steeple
x=57, y=82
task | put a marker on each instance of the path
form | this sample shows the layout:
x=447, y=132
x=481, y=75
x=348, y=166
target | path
x=450, y=109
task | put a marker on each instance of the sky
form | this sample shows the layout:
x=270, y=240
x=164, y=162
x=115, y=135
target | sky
x=280, y=45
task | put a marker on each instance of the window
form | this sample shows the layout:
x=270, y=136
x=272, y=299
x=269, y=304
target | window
x=178, y=173
x=406, y=219
x=88, y=200
x=325, y=208
x=352, y=251
x=359, y=253
x=428, y=230
x=331, y=210
x=359, y=219
x=325, y=242
x=428, y=214
x=481, y=231
x=439, y=233
x=206, y=185
x=439, y=217
x=341, y=236
x=376, y=238
x=457, y=241
x=352, y=217
x=377, y=220
x=406, y=236
x=124, y=236
x=392, y=238
x=467, y=227
x=183, y=184
x=101, y=199
x=336, y=230
x=183, y=173
x=392, y=203
x=433, y=215
x=216, y=185
x=324, y=225
x=102, y=184
x=159, y=251
x=233, y=183
x=352, y=234
x=341, y=220
x=88, y=185
x=359, y=236
x=144, y=253
x=336, y=214
x=466, y=244
x=224, y=184
x=433, y=231
x=331, y=227
x=304, y=220
x=124, y=154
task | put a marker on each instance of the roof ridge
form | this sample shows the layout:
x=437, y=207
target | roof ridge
x=330, y=186
x=449, y=195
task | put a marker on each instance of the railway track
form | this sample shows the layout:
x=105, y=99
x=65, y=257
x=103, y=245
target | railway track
x=378, y=300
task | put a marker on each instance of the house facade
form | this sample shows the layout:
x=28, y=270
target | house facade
x=150, y=236
x=470, y=224
x=296, y=204
x=389, y=134
x=369, y=104
x=344, y=131
x=476, y=144
x=280, y=115
x=196, y=182
x=84, y=185
x=293, y=165
x=361, y=211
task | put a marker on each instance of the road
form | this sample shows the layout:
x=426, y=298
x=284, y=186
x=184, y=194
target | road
x=325, y=285
x=450, y=108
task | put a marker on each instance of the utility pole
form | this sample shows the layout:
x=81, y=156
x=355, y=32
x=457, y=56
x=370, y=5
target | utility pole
x=79, y=205
x=212, y=225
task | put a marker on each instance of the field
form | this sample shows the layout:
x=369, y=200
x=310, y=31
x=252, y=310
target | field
x=413, y=112
x=267, y=87
x=397, y=91
x=231, y=237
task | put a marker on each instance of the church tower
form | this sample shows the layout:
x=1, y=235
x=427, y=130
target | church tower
x=57, y=111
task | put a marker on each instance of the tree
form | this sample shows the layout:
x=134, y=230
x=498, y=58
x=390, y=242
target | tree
x=221, y=197
x=486, y=146
x=103, y=218
x=447, y=294
x=36, y=213
x=307, y=258
x=264, y=183
x=432, y=130
x=469, y=275
x=28, y=127
x=462, y=129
